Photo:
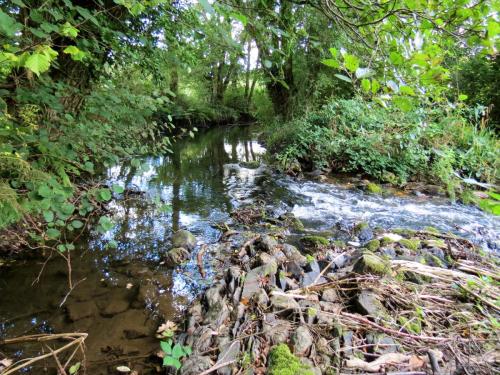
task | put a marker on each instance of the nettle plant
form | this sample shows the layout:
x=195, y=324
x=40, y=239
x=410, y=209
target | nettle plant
x=174, y=353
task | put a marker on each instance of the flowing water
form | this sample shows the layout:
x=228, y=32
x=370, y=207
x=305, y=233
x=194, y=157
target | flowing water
x=122, y=290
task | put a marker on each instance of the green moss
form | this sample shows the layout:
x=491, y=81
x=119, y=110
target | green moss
x=360, y=226
x=412, y=244
x=340, y=244
x=297, y=224
x=386, y=241
x=435, y=243
x=431, y=229
x=310, y=258
x=371, y=263
x=373, y=188
x=250, y=164
x=314, y=241
x=404, y=232
x=373, y=245
x=283, y=362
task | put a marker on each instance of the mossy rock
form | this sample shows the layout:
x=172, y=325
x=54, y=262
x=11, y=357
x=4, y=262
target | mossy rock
x=371, y=263
x=340, y=244
x=435, y=243
x=386, y=241
x=373, y=245
x=283, y=362
x=360, y=226
x=412, y=244
x=315, y=242
x=373, y=188
x=250, y=164
x=432, y=230
x=404, y=232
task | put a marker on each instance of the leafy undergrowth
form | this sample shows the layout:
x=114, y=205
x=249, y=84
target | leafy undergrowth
x=389, y=145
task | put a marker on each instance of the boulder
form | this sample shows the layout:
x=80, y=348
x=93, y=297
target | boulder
x=176, y=256
x=266, y=243
x=230, y=353
x=185, y=239
x=276, y=330
x=371, y=263
x=294, y=255
x=284, y=302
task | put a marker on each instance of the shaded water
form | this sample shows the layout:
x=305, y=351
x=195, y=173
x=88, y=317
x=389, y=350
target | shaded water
x=122, y=290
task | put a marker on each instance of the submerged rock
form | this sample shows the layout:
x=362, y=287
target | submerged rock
x=176, y=256
x=184, y=238
x=80, y=310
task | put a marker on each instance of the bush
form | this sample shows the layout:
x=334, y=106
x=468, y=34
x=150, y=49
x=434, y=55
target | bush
x=387, y=144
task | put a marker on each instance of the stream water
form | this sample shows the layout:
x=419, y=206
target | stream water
x=121, y=291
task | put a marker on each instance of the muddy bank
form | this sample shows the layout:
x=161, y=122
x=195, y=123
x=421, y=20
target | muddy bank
x=363, y=300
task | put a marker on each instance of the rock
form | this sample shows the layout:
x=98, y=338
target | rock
x=217, y=314
x=347, y=337
x=114, y=307
x=435, y=243
x=148, y=293
x=294, y=269
x=372, y=245
x=330, y=295
x=371, y=263
x=381, y=344
x=363, y=232
x=254, y=277
x=230, y=353
x=262, y=298
x=266, y=243
x=412, y=244
x=388, y=252
x=284, y=302
x=80, y=310
x=294, y=255
x=176, y=256
x=310, y=366
x=302, y=340
x=368, y=303
x=213, y=295
x=185, y=239
x=276, y=330
x=310, y=277
x=313, y=243
x=264, y=258
x=373, y=188
x=195, y=364
x=202, y=339
x=136, y=333
x=279, y=256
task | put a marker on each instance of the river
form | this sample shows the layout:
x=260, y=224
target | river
x=123, y=290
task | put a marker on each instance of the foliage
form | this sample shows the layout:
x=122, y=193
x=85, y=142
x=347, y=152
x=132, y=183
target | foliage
x=173, y=354
x=387, y=143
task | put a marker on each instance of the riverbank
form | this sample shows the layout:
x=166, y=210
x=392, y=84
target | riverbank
x=396, y=301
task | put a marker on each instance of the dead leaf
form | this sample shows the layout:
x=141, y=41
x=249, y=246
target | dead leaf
x=416, y=363
x=167, y=326
x=6, y=362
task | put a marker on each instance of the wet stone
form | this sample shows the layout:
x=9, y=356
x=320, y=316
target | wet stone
x=266, y=243
x=382, y=344
x=176, y=256
x=114, y=307
x=294, y=255
x=276, y=330
x=283, y=302
x=185, y=239
x=230, y=353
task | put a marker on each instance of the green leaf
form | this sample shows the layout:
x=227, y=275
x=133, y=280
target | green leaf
x=396, y=58
x=407, y=90
x=332, y=63
x=365, y=85
x=462, y=97
x=170, y=361
x=267, y=63
x=177, y=351
x=104, y=194
x=73, y=369
x=77, y=224
x=118, y=189
x=375, y=86
x=61, y=248
x=166, y=346
x=48, y=216
x=38, y=63
x=334, y=52
x=53, y=233
x=76, y=54
x=187, y=350
x=8, y=25
x=67, y=208
x=240, y=17
x=343, y=78
x=112, y=244
x=45, y=191
x=69, y=30
x=351, y=63
x=105, y=223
